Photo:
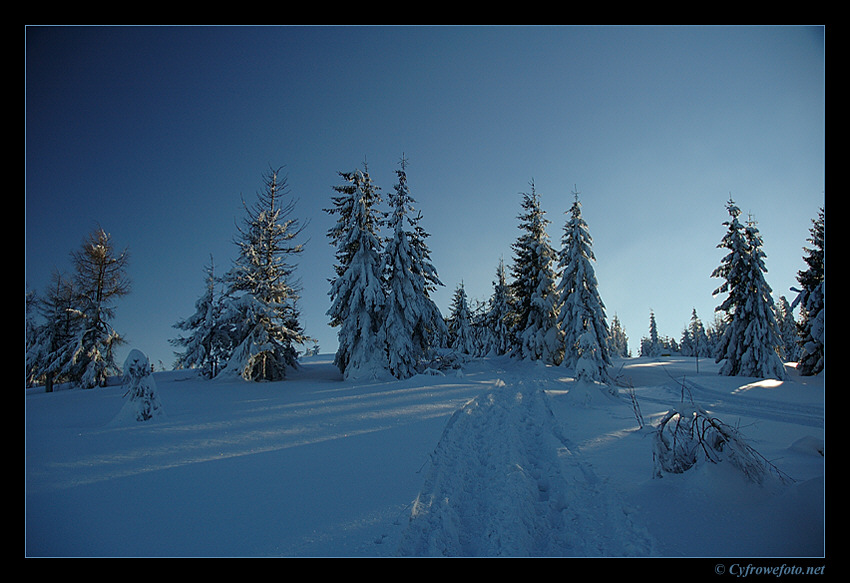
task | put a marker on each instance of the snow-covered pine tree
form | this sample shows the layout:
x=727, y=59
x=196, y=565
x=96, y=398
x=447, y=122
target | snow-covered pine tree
x=260, y=314
x=357, y=290
x=589, y=367
x=811, y=299
x=481, y=333
x=536, y=332
x=49, y=349
x=714, y=331
x=412, y=323
x=787, y=330
x=694, y=339
x=733, y=269
x=461, y=337
x=748, y=346
x=651, y=345
x=206, y=345
x=671, y=345
x=581, y=306
x=100, y=280
x=686, y=345
x=30, y=304
x=499, y=314
x=618, y=342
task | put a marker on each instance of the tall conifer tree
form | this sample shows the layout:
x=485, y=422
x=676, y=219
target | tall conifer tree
x=461, y=338
x=581, y=305
x=811, y=298
x=651, y=345
x=206, y=344
x=357, y=290
x=787, y=330
x=499, y=314
x=50, y=349
x=412, y=323
x=261, y=314
x=536, y=333
x=618, y=342
x=749, y=342
x=101, y=279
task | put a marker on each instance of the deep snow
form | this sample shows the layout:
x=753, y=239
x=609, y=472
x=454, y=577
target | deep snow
x=505, y=458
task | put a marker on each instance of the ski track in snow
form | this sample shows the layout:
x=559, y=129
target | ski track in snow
x=506, y=481
x=712, y=399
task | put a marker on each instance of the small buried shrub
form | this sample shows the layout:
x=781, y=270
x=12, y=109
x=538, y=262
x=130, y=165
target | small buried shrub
x=441, y=360
x=143, y=403
x=690, y=435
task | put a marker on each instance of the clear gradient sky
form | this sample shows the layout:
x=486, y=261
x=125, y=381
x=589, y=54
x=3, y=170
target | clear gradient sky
x=157, y=133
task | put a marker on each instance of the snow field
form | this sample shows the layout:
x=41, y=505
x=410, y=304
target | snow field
x=506, y=459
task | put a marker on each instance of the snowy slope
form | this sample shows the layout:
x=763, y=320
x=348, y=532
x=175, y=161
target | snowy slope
x=504, y=459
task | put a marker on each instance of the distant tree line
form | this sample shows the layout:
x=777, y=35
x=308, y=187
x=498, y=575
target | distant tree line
x=551, y=310
x=246, y=322
x=388, y=323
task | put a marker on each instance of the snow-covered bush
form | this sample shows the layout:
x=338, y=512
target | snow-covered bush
x=143, y=403
x=442, y=360
x=689, y=435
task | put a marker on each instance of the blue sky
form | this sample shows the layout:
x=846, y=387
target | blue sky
x=157, y=133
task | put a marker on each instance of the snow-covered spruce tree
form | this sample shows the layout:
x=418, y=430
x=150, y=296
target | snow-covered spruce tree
x=536, y=332
x=205, y=347
x=651, y=345
x=481, y=331
x=581, y=306
x=699, y=335
x=30, y=302
x=100, y=280
x=812, y=325
x=790, y=350
x=499, y=314
x=259, y=314
x=461, y=338
x=49, y=349
x=618, y=342
x=357, y=290
x=671, y=345
x=589, y=367
x=411, y=323
x=715, y=330
x=685, y=343
x=694, y=339
x=748, y=346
